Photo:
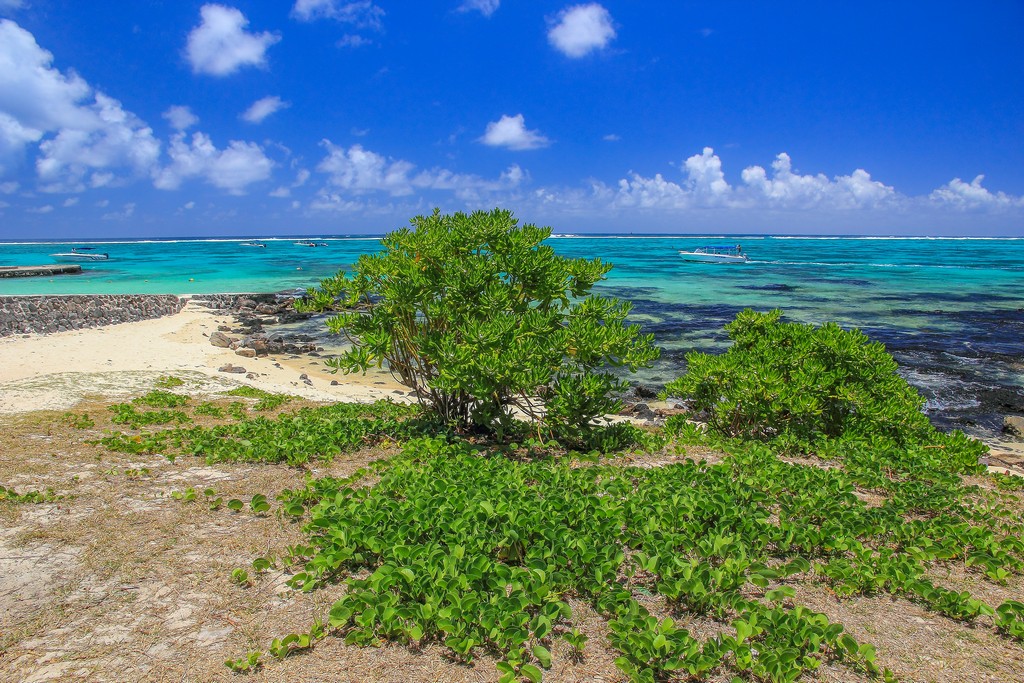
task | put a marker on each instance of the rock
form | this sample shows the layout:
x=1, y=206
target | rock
x=335, y=382
x=643, y=391
x=232, y=368
x=223, y=328
x=247, y=303
x=303, y=376
x=1014, y=425
x=222, y=340
x=246, y=353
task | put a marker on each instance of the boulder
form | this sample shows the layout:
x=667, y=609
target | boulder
x=1014, y=426
x=222, y=340
x=643, y=391
x=237, y=369
x=246, y=353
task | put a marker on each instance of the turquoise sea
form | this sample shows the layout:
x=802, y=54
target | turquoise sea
x=951, y=310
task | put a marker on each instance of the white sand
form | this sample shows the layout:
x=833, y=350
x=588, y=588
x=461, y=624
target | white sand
x=56, y=371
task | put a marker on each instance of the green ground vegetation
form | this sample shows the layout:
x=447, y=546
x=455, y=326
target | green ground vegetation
x=480, y=545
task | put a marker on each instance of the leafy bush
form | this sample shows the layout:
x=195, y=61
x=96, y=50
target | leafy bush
x=801, y=384
x=482, y=319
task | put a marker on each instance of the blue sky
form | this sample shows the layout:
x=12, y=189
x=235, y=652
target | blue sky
x=325, y=116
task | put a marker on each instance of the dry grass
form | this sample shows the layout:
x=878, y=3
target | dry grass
x=118, y=581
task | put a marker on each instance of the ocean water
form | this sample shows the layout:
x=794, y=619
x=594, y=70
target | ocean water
x=950, y=310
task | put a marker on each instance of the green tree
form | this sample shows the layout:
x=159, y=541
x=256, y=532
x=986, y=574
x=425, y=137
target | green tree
x=483, y=320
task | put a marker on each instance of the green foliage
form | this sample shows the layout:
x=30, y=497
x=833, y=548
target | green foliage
x=481, y=319
x=168, y=382
x=127, y=414
x=161, y=399
x=790, y=380
x=9, y=495
x=308, y=434
x=247, y=664
x=79, y=421
x=209, y=409
x=800, y=385
x=267, y=400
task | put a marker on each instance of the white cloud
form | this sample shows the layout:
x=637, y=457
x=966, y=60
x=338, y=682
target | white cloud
x=126, y=212
x=363, y=14
x=358, y=171
x=189, y=205
x=47, y=208
x=11, y=5
x=103, y=203
x=581, y=29
x=705, y=186
x=9, y=187
x=353, y=40
x=220, y=45
x=972, y=195
x=484, y=7
x=286, y=190
x=791, y=190
x=180, y=117
x=705, y=179
x=69, y=202
x=511, y=132
x=611, y=137
x=262, y=108
x=89, y=130
x=233, y=168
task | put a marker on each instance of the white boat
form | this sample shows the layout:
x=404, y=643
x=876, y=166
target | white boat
x=79, y=254
x=719, y=254
x=304, y=244
x=254, y=243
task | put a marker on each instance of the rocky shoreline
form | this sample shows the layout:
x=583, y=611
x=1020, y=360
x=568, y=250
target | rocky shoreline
x=49, y=314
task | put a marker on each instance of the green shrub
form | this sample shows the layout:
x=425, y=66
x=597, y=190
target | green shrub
x=801, y=384
x=482, y=319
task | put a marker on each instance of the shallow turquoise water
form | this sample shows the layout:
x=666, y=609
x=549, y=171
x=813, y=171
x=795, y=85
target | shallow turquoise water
x=951, y=310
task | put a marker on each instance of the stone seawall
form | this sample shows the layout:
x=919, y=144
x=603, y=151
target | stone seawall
x=47, y=314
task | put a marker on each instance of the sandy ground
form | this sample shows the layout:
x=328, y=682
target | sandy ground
x=57, y=371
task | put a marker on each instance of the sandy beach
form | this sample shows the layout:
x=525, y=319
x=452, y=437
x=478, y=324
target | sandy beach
x=56, y=371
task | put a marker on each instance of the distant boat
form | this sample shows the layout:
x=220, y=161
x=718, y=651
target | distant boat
x=79, y=254
x=717, y=254
x=304, y=244
x=254, y=243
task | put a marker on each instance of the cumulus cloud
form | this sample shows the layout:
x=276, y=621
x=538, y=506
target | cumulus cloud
x=972, y=195
x=79, y=131
x=286, y=190
x=363, y=14
x=359, y=171
x=220, y=45
x=511, y=132
x=792, y=190
x=180, y=117
x=581, y=29
x=233, y=169
x=705, y=186
x=484, y=7
x=262, y=108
